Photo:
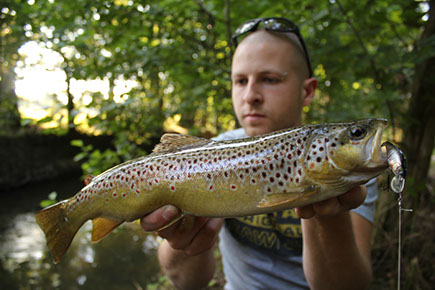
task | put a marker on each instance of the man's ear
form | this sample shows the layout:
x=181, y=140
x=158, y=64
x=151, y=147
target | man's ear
x=310, y=86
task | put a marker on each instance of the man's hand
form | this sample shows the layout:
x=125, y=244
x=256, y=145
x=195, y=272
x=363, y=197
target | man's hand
x=336, y=205
x=192, y=235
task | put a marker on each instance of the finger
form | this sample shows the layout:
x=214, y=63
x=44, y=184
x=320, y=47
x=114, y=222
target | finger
x=159, y=218
x=353, y=198
x=305, y=212
x=178, y=237
x=328, y=207
x=205, y=238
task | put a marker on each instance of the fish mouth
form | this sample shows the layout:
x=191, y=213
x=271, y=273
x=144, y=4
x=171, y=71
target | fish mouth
x=376, y=157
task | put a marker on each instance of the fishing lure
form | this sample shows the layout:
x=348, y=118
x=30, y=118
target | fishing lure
x=397, y=165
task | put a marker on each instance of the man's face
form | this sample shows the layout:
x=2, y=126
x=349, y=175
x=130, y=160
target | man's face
x=268, y=90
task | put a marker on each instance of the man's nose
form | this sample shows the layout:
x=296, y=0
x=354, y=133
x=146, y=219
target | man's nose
x=253, y=93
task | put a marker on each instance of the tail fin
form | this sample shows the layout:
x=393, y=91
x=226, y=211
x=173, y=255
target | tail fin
x=58, y=230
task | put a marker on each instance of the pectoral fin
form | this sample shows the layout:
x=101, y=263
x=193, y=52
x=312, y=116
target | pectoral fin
x=102, y=227
x=287, y=198
x=171, y=222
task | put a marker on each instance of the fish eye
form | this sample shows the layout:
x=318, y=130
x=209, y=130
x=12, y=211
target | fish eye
x=357, y=132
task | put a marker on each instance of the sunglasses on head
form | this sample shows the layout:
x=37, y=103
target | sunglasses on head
x=277, y=24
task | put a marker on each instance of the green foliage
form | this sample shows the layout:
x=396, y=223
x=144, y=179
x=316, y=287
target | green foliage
x=50, y=201
x=179, y=55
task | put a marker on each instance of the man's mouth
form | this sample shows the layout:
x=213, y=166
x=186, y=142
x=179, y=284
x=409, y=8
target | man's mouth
x=253, y=116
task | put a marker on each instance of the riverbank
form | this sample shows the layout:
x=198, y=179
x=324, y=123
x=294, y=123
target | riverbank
x=31, y=158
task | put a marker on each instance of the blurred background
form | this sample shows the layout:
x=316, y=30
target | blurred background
x=86, y=85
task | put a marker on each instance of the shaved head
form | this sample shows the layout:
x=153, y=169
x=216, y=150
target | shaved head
x=298, y=58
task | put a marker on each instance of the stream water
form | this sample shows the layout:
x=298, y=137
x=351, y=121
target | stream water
x=126, y=259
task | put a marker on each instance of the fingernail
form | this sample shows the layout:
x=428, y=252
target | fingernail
x=170, y=212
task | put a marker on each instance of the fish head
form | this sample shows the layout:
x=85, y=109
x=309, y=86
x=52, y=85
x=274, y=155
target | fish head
x=347, y=150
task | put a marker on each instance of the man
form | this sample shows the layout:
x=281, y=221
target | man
x=272, y=81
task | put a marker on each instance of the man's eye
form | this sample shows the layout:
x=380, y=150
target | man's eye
x=241, y=81
x=270, y=80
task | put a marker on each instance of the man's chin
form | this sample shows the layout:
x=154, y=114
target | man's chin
x=253, y=131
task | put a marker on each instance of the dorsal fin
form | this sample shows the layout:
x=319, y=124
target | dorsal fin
x=172, y=141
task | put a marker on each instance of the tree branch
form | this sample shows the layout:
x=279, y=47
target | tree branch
x=358, y=36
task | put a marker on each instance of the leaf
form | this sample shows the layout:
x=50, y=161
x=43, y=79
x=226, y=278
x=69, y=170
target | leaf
x=77, y=143
x=46, y=203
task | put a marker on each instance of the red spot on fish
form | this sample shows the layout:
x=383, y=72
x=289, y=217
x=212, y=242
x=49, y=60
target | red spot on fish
x=156, y=180
x=233, y=186
x=172, y=188
x=122, y=177
x=211, y=187
x=123, y=195
x=114, y=195
x=107, y=200
x=88, y=179
x=137, y=190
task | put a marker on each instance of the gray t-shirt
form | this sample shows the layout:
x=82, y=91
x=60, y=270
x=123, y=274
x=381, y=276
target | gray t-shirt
x=265, y=251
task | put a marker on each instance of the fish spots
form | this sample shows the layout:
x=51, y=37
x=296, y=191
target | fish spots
x=271, y=163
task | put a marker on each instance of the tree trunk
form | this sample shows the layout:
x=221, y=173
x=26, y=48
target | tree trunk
x=419, y=136
x=10, y=118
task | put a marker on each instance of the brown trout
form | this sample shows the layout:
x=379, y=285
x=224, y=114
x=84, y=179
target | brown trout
x=201, y=177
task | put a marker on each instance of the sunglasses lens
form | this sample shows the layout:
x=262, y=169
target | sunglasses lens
x=279, y=25
x=244, y=27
